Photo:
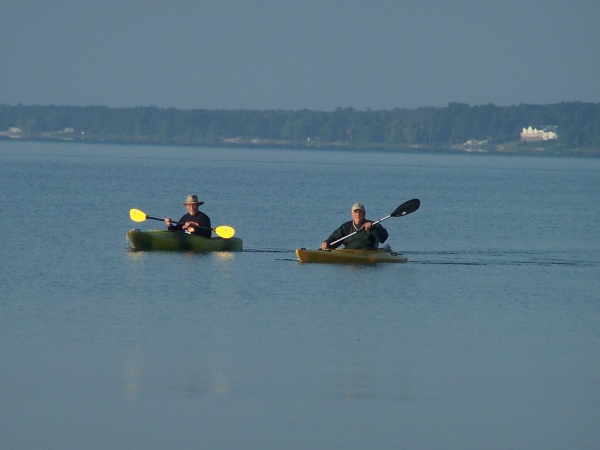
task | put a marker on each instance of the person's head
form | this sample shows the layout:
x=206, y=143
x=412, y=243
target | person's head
x=358, y=213
x=192, y=203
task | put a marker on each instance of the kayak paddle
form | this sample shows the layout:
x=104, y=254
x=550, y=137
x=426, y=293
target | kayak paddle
x=223, y=231
x=402, y=210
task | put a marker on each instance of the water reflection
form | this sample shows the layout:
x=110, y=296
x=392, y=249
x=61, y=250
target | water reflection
x=136, y=255
x=133, y=380
x=220, y=383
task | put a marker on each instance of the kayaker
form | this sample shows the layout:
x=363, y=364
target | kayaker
x=194, y=222
x=367, y=237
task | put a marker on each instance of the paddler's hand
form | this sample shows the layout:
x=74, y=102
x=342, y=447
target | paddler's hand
x=168, y=221
x=190, y=225
x=324, y=246
x=368, y=225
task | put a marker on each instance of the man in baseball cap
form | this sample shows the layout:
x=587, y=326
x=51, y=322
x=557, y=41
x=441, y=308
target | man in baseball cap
x=366, y=235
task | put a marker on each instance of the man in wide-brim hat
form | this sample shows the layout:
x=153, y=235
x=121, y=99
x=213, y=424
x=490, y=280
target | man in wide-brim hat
x=194, y=222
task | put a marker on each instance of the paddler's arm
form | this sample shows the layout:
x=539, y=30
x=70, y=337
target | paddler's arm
x=170, y=225
x=337, y=234
x=378, y=231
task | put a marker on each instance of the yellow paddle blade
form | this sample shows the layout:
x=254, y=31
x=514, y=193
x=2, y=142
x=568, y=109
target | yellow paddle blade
x=137, y=215
x=224, y=231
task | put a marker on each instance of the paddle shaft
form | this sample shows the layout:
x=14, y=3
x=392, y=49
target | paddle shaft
x=223, y=231
x=174, y=223
x=354, y=232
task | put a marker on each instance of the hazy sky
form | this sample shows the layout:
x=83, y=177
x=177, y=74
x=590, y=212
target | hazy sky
x=314, y=54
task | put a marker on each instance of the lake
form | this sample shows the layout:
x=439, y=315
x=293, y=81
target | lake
x=489, y=337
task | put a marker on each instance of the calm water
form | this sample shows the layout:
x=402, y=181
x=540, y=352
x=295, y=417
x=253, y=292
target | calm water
x=488, y=338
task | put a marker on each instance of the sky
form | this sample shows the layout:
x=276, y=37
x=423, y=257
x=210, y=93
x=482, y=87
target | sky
x=302, y=54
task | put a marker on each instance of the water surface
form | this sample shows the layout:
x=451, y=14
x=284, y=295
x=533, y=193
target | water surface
x=487, y=338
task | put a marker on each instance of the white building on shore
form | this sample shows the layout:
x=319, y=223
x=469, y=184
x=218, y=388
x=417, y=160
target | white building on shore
x=533, y=134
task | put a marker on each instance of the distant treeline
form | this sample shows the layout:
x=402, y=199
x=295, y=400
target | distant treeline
x=577, y=125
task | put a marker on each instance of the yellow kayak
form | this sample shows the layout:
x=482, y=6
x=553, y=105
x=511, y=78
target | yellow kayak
x=349, y=256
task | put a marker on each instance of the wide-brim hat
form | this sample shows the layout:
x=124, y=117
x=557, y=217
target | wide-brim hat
x=192, y=200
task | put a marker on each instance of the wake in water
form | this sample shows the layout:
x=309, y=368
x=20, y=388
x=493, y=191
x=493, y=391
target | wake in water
x=504, y=258
x=474, y=257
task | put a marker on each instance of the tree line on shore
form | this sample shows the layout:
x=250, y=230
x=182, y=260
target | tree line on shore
x=577, y=125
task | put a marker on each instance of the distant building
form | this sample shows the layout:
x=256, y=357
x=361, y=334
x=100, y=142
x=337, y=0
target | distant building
x=473, y=145
x=533, y=134
x=476, y=143
x=13, y=133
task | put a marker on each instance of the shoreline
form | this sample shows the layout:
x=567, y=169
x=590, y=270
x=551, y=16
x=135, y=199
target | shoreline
x=516, y=147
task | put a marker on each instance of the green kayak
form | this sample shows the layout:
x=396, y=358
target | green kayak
x=349, y=256
x=177, y=241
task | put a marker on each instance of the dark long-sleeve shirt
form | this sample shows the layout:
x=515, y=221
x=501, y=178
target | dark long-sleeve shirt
x=199, y=217
x=363, y=240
